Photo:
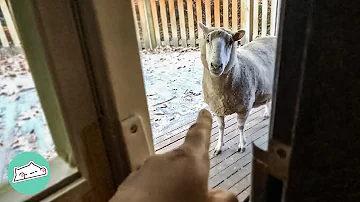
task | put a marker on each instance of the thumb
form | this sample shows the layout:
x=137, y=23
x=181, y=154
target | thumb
x=219, y=195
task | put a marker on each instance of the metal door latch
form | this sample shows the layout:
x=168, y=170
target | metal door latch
x=135, y=139
x=270, y=171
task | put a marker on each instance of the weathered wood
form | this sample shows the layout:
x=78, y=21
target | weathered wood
x=254, y=133
x=3, y=38
x=244, y=194
x=199, y=18
x=251, y=19
x=264, y=15
x=161, y=143
x=176, y=140
x=231, y=181
x=171, y=133
x=230, y=169
x=164, y=22
x=180, y=4
x=243, y=20
x=224, y=169
x=277, y=17
x=190, y=13
x=226, y=13
x=140, y=46
x=155, y=22
x=233, y=140
x=208, y=13
x=217, y=13
x=144, y=24
x=8, y=3
x=175, y=12
x=250, y=127
x=174, y=36
x=230, y=134
x=246, y=20
x=238, y=172
x=150, y=24
x=255, y=19
x=234, y=21
x=10, y=23
x=273, y=14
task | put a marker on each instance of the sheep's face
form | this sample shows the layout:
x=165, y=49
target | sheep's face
x=219, y=47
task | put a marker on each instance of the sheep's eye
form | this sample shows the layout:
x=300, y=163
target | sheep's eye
x=207, y=39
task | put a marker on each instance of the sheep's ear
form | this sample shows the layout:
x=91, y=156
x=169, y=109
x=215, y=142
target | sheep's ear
x=203, y=27
x=238, y=35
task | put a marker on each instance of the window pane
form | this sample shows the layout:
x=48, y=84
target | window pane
x=23, y=126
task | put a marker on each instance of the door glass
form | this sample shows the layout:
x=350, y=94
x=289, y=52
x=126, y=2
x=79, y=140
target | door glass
x=23, y=126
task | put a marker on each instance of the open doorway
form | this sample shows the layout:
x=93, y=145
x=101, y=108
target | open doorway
x=169, y=38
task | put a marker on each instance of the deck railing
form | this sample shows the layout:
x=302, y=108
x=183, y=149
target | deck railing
x=8, y=32
x=174, y=22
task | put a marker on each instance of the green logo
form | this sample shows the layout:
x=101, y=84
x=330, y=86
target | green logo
x=28, y=173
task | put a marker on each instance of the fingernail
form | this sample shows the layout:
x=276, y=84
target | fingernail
x=204, y=115
x=204, y=112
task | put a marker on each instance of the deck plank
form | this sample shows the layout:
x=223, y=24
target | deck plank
x=185, y=126
x=225, y=169
x=230, y=169
x=242, y=196
x=173, y=141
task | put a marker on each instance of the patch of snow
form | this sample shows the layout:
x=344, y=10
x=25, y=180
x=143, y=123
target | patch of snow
x=172, y=78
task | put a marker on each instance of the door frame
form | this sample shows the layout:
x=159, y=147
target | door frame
x=88, y=76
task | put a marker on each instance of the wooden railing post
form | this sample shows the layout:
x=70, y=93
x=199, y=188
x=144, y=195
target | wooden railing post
x=251, y=19
x=264, y=14
x=147, y=26
x=247, y=13
x=278, y=9
x=155, y=20
x=140, y=46
x=273, y=14
x=255, y=17
x=150, y=24
x=10, y=23
x=3, y=39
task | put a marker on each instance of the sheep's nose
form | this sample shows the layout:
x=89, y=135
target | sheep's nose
x=216, y=66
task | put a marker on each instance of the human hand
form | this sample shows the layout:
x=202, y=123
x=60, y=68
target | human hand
x=180, y=175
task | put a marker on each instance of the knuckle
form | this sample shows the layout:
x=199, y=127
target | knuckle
x=199, y=128
x=222, y=195
x=151, y=159
x=183, y=152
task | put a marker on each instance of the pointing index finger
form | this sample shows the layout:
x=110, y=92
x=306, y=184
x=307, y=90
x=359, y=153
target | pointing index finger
x=198, y=136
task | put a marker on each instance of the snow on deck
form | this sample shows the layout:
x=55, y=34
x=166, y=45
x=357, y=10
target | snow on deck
x=173, y=88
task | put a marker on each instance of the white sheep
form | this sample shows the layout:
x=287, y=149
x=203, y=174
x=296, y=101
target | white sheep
x=236, y=80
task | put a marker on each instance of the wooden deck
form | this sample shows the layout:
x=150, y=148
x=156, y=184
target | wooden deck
x=230, y=169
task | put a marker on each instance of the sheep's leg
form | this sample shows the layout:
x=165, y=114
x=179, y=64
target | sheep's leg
x=241, y=119
x=267, y=110
x=221, y=124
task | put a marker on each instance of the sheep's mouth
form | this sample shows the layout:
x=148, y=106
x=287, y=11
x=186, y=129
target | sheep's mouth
x=216, y=72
